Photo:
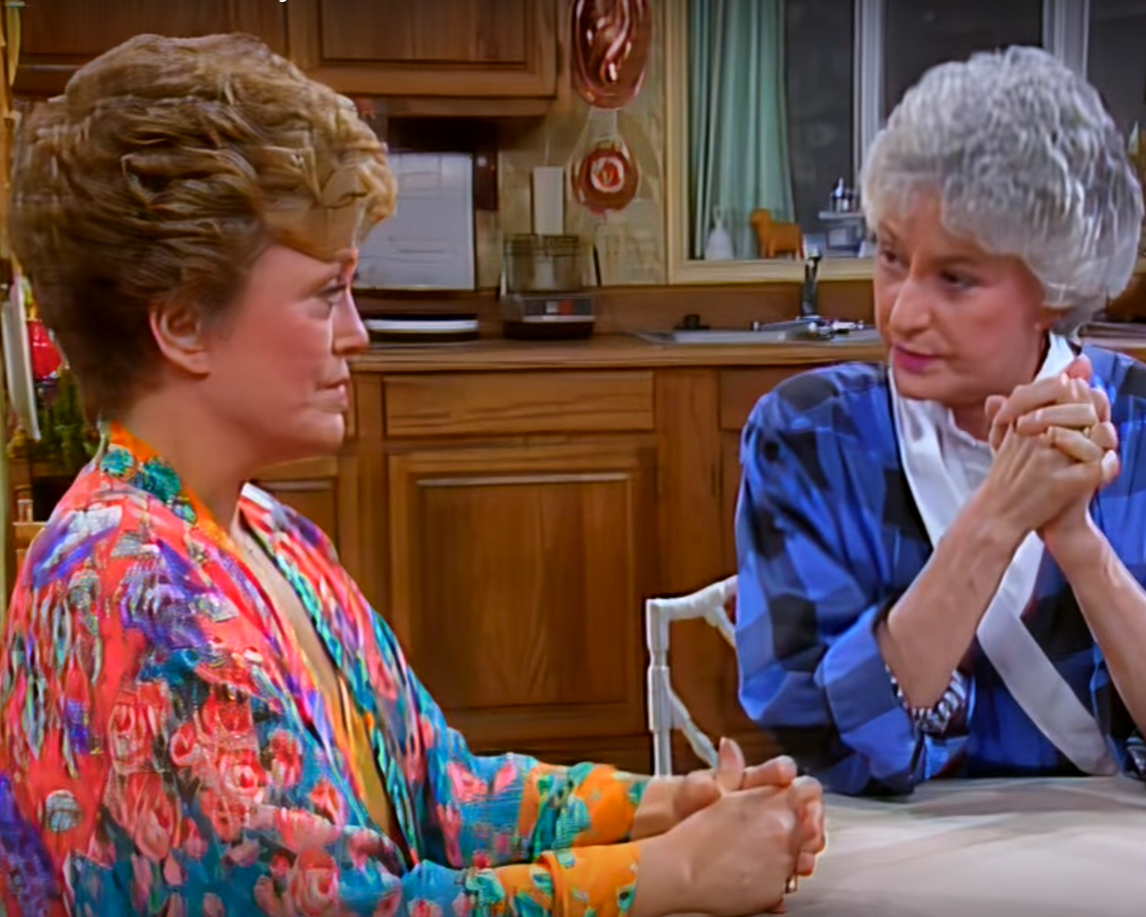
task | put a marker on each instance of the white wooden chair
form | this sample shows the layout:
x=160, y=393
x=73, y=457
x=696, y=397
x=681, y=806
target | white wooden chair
x=666, y=711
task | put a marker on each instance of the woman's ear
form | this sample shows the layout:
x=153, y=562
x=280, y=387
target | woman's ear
x=1048, y=318
x=182, y=336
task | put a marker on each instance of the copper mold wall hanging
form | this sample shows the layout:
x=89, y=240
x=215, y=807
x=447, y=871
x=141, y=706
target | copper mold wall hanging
x=610, y=45
x=610, y=50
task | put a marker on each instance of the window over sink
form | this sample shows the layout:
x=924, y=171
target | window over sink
x=771, y=105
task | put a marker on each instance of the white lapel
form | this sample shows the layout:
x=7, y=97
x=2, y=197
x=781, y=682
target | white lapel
x=1026, y=670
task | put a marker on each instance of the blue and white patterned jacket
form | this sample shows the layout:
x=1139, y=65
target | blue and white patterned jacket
x=829, y=537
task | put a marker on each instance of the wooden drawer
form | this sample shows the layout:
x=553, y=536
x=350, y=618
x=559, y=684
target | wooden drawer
x=740, y=389
x=304, y=469
x=516, y=403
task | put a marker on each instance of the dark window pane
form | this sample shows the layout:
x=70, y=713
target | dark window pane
x=1116, y=57
x=819, y=68
x=921, y=33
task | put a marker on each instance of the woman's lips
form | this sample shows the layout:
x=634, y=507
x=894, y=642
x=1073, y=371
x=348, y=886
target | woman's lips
x=340, y=392
x=910, y=362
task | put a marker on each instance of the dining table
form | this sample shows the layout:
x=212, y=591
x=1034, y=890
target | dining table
x=979, y=848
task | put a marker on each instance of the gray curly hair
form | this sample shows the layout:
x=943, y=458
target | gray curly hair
x=1027, y=162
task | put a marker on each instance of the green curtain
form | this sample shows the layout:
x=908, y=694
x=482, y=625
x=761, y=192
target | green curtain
x=738, y=143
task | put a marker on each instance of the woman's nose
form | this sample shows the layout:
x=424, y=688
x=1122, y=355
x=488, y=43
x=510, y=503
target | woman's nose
x=350, y=334
x=910, y=309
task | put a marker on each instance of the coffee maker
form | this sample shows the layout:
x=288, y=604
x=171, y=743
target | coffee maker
x=545, y=289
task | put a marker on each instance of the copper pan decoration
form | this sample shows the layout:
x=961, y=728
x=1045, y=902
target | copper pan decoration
x=606, y=178
x=610, y=50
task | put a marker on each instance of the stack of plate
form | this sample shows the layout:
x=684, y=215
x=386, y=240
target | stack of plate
x=422, y=328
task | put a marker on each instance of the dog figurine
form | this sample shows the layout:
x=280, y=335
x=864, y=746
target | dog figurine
x=776, y=239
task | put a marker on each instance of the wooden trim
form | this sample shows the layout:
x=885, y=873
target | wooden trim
x=688, y=482
x=676, y=138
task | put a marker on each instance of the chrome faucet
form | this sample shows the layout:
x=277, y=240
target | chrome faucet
x=810, y=292
x=809, y=325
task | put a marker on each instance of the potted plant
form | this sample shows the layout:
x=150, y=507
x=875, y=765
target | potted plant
x=43, y=469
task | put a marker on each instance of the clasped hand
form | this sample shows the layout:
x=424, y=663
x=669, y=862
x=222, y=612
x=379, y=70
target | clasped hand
x=1055, y=447
x=739, y=832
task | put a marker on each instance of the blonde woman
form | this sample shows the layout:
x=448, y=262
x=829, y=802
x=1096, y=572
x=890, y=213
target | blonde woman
x=199, y=713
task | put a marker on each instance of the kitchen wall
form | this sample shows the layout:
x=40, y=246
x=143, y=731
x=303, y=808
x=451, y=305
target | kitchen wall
x=631, y=241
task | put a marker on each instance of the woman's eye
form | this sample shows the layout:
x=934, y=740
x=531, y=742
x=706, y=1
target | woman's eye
x=887, y=257
x=957, y=281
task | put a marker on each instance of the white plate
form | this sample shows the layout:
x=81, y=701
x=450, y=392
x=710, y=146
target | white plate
x=18, y=358
x=423, y=326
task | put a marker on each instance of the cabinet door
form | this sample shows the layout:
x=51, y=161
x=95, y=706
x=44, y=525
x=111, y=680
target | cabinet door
x=446, y=48
x=518, y=579
x=740, y=389
x=61, y=35
x=701, y=414
x=312, y=488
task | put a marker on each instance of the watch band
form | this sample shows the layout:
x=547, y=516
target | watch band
x=935, y=720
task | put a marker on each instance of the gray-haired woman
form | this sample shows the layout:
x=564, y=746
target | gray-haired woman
x=941, y=559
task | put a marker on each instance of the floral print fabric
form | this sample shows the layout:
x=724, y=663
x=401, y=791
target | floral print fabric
x=163, y=749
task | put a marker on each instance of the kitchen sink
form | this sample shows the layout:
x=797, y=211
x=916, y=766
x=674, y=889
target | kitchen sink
x=792, y=333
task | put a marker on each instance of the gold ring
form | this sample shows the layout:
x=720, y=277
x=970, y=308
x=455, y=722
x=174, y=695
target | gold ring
x=792, y=885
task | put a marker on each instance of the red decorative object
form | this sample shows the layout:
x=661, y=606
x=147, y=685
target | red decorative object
x=606, y=178
x=610, y=50
x=45, y=358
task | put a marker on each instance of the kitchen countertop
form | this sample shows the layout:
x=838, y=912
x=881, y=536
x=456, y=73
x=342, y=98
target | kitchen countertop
x=622, y=351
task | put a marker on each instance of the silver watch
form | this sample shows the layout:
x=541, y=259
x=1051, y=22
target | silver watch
x=935, y=720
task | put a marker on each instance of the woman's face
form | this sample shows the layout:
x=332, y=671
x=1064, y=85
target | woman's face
x=959, y=324
x=279, y=373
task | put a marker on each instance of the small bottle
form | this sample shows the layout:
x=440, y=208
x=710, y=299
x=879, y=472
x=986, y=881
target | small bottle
x=838, y=203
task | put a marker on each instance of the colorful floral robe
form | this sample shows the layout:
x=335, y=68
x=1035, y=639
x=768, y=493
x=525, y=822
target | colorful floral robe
x=164, y=750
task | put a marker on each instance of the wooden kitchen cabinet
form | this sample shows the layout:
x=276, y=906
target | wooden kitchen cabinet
x=61, y=35
x=324, y=490
x=511, y=524
x=517, y=577
x=521, y=541
x=432, y=49
x=461, y=57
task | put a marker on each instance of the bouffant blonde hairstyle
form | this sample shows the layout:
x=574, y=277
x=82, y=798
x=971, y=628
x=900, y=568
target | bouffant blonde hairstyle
x=161, y=174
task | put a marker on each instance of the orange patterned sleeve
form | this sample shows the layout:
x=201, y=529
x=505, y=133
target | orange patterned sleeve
x=599, y=881
x=581, y=805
